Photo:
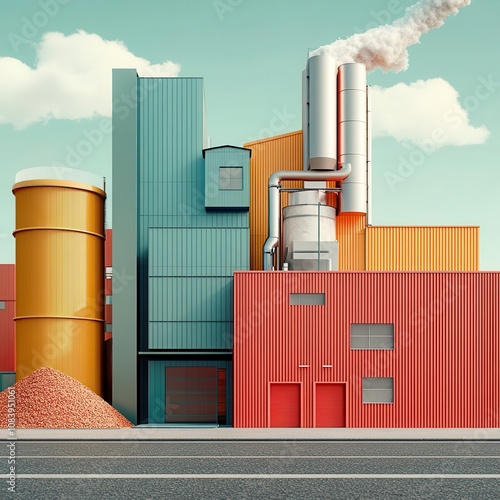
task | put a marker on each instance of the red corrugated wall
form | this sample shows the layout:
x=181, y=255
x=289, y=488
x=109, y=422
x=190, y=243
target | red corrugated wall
x=108, y=318
x=7, y=324
x=108, y=285
x=446, y=357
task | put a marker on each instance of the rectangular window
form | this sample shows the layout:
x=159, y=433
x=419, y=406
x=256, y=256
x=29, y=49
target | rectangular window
x=307, y=299
x=372, y=336
x=109, y=273
x=109, y=327
x=2, y=305
x=378, y=390
x=109, y=300
x=230, y=178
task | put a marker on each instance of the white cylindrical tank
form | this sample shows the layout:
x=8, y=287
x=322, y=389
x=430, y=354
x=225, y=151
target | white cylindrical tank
x=300, y=218
x=322, y=85
x=352, y=135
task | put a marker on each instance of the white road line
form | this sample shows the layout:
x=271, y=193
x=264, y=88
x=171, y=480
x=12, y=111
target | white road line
x=270, y=441
x=254, y=476
x=258, y=457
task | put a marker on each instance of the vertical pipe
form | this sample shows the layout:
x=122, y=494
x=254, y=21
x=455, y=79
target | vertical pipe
x=305, y=119
x=368, y=156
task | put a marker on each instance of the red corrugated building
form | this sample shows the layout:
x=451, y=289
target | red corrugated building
x=367, y=349
x=7, y=313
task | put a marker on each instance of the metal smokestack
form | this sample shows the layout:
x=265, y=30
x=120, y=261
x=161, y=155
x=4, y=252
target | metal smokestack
x=319, y=105
x=352, y=135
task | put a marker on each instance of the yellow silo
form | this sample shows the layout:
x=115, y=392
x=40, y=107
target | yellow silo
x=60, y=273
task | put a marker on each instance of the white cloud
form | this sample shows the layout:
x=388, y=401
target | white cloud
x=71, y=79
x=425, y=112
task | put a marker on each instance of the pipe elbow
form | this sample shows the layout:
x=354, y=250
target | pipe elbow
x=274, y=180
x=270, y=244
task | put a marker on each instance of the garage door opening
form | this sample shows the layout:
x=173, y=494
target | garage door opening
x=284, y=405
x=330, y=405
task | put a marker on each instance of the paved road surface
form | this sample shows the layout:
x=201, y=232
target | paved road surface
x=253, y=470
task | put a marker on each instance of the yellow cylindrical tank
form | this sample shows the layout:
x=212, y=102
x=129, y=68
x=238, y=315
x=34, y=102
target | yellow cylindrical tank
x=60, y=273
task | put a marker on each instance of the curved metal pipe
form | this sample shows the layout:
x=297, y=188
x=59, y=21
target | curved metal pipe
x=274, y=186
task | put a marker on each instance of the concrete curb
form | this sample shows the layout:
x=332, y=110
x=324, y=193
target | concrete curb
x=231, y=434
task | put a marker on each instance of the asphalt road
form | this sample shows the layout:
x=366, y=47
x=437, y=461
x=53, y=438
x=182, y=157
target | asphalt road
x=252, y=469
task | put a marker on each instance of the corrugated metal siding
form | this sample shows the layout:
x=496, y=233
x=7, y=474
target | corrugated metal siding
x=7, y=323
x=108, y=248
x=283, y=152
x=201, y=252
x=446, y=357
x=170, y=166
x=351, y=238
x=190, y=313
x=191, y=286
x=8, y=337
x=158, y=407
x=391, y=248
x=7, y=282
x=108, y=308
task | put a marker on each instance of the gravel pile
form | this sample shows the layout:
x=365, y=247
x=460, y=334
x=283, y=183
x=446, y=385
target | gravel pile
x=49, y=399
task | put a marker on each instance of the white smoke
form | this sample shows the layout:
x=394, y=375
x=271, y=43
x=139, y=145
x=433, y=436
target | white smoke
x=386, y=46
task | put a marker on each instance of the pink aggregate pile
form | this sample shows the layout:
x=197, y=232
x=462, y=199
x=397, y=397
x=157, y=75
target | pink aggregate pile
x=49, y=399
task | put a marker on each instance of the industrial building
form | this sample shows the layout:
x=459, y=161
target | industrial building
x=251, y=288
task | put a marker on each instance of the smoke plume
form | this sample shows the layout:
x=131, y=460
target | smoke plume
x=386, y=46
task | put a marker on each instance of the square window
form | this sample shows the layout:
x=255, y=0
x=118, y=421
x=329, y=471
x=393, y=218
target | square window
x=378, y=390
x=372, y=336
x=231, y=178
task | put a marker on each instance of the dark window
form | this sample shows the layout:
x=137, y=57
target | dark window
x=372, y=336
x=195, y=394
x=231, y=178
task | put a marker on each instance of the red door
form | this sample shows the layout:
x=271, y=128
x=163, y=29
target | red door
x=285, y=405
x=330, y=405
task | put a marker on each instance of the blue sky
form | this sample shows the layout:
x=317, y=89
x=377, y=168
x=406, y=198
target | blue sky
x=55, y=57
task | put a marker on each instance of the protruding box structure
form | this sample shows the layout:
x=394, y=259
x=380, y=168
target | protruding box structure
x=60, y=273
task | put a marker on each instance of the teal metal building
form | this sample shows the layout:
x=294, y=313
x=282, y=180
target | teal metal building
x=180, y=229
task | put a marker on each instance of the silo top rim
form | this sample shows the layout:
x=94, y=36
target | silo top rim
x=60, y=174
